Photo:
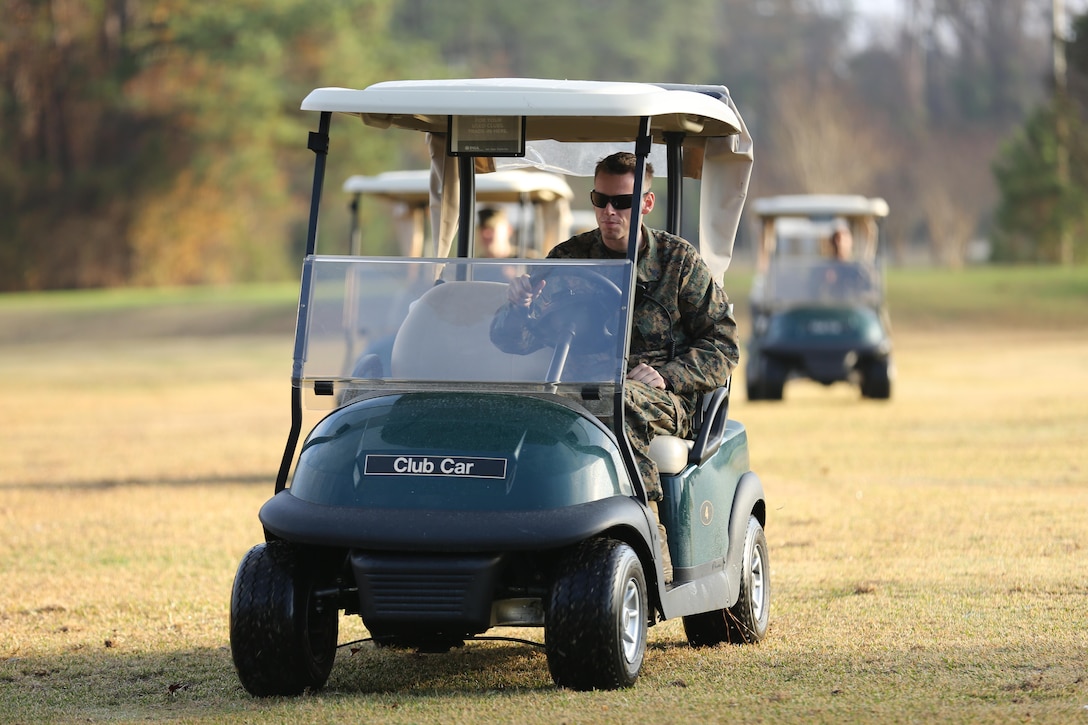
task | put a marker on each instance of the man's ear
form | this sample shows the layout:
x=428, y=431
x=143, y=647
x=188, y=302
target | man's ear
x=648, y=203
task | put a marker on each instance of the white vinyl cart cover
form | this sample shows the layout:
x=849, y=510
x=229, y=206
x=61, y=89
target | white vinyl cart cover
x=598, y=116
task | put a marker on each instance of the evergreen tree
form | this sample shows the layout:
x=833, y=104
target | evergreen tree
x=1042, y=173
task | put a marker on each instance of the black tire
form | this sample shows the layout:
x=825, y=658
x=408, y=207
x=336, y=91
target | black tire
x=876, y=381
x=769, y=389
x=752, y=381
x=774, y=380
x=596, y=618
x=772, y=388
x=768, y=380
x=282, y=638
x=746, y=621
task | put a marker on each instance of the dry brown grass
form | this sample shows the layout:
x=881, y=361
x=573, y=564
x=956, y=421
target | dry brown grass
x=928, y=553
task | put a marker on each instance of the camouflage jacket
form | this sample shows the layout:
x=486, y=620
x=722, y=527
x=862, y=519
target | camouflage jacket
x=682, y=322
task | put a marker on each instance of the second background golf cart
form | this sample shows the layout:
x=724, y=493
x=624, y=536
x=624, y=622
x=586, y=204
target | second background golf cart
x=819, y=312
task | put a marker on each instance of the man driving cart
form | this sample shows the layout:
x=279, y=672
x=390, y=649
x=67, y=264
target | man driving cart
x=684, y=337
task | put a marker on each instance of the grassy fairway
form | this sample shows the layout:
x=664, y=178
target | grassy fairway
x=929, y=553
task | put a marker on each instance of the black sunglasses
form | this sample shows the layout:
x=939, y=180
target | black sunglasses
x=618, y=202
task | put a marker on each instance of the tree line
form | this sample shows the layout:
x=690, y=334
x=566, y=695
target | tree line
x=150, y=142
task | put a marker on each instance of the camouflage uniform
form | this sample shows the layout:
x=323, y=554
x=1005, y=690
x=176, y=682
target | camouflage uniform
x=682, y=328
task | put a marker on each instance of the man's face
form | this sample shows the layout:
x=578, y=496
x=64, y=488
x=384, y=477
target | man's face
x=615, y=224
x=843, y=245
x=494, y=240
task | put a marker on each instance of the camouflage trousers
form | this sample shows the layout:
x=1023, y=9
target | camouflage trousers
x=650, y=412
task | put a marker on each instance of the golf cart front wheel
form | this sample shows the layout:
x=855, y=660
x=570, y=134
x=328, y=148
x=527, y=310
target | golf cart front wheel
x=767, y=380
x=876, y=380
x=282, y=637
x=746, y=621
x=597, y=617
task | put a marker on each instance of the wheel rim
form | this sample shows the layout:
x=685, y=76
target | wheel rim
x=758, y=583
x=632, y=620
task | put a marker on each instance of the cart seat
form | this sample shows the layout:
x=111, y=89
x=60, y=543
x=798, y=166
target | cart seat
x=451, y=322
x=670, y=453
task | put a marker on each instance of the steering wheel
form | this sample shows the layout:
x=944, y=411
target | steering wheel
x=581, y=310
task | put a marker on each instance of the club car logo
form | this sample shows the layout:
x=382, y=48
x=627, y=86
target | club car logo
x=458, y=466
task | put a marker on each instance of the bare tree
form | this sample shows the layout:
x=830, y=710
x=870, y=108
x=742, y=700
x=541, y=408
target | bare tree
x=954, y=191
x=820, y=141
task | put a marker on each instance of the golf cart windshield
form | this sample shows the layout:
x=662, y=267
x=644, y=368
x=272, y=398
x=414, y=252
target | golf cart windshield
x=797, y=263
x=382, y=324
x=797, y=282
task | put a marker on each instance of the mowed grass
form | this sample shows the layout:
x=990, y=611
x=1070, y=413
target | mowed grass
x=929, y=554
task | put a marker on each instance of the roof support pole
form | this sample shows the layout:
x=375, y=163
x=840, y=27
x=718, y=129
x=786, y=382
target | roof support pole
x=643, y=145
x=675, y=153
x=466, y=232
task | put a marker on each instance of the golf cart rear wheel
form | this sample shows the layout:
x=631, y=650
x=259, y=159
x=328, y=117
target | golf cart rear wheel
x=596, y=618
x=746, y=621
x=282, y=637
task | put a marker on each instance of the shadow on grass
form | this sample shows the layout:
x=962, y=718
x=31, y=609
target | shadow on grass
x=977, y=683
x=112, y=684
x=489, y=666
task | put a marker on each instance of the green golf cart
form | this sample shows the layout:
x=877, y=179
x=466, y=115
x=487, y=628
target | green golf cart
x=817, y=300
x=457, y=489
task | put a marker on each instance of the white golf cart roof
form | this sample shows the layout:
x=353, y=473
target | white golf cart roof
x=820, y=205
x=561, y=110
x=507, y=186
x=800, y=225
x=597, y=115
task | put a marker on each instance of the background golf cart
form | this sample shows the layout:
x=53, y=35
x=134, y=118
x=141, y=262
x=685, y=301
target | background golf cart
x=387, y=515
x=536, y=202
x=814, y=316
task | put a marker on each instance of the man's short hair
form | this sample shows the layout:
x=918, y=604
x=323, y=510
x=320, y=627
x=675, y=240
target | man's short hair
x=622, y=163
x=491, y=217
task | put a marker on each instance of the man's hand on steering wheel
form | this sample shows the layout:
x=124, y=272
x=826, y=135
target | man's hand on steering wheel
x=522, y=291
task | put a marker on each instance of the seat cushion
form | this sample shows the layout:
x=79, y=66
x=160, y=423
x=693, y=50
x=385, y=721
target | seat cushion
x=670, y=453
x=450, y=324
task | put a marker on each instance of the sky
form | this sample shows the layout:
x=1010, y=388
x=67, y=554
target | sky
x=882, y=15
x=893, y=8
